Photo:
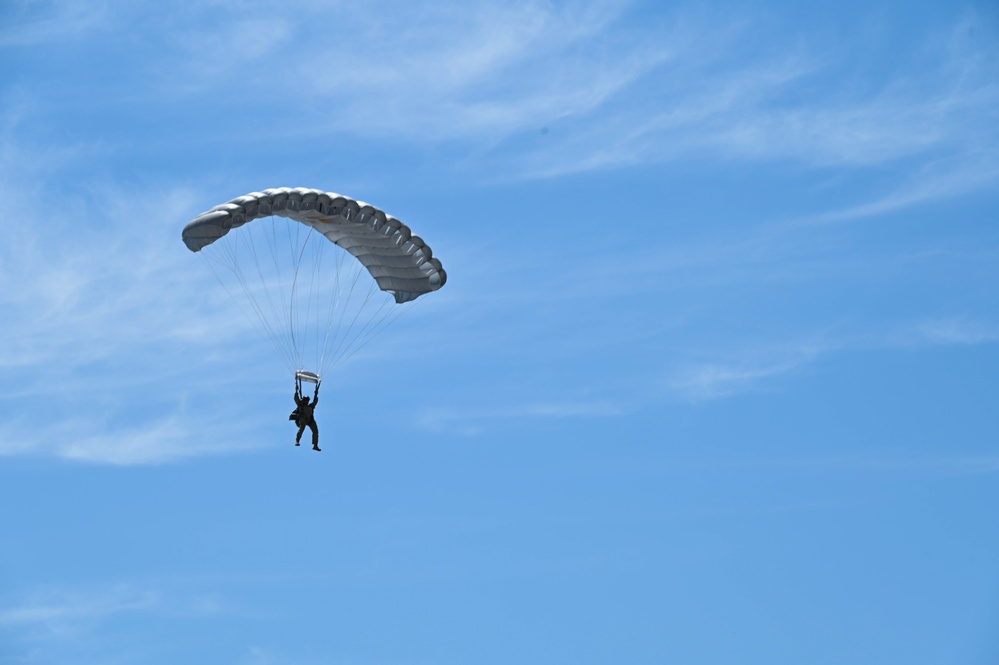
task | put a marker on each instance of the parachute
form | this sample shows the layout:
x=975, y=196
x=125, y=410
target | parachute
x=321, y=273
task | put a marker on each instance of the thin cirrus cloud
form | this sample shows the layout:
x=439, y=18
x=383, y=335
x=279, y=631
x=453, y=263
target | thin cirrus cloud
x=154, y=443
x=934, y=181
x=115, y=287
x=955, y=331
x=715, y=380
x=105, y=324
x=60, y=613
x=465, y=73
x=97, y=440
x=765, y=111
x=619, y=96
x=615, y=93
x=239, y=47
x=471, y=422
x=28, y=23
x=491, y=77
x=735, y=372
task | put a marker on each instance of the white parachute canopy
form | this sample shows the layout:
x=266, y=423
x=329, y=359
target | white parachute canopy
x=321, y=273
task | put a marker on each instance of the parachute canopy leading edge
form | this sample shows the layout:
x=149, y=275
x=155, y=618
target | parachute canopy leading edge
x=400, y=262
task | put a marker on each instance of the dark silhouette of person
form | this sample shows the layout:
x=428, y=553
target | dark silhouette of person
x=303, y=414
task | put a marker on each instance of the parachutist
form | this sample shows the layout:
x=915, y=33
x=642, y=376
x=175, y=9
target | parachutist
x=301, y=252
x=303, y=414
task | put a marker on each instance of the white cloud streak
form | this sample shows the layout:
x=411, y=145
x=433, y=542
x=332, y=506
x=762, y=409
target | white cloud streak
x=61, y=613
x=437, y=73
x=957, y=332
x=933, y=182
x=715, y=380
x=34, y=23
x=473, y=421
x=616, y=88
x=734, y=373
x=102, y=323
x=100, y=440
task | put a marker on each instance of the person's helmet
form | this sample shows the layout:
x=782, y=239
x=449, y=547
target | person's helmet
x=305, y=399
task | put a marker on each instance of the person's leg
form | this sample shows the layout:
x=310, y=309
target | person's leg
x=298, y=438
x=315, y=435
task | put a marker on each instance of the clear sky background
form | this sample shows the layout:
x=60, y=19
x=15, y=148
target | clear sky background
x=713, y=378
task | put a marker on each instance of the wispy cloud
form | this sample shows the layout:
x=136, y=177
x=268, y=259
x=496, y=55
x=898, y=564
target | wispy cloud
x=931, y=124
x=80, y=615
x=752, y=369
x=30, y=23
x=935, y=181
x=214, y=54
x=881, y=462
x=432, y=73
x=615, y=88
x=675, y=304
x=472, y=421
x=104, y=439
x=957, y=332
x=62, y=613
x=109, y=332
x=490, y=74
x=714, y=379
x=102, y=279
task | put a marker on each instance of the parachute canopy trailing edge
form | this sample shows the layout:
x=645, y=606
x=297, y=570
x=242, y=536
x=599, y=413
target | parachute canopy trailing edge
x=400, y=262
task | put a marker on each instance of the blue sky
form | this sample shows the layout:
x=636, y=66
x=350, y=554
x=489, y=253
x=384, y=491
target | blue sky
x=712, y=380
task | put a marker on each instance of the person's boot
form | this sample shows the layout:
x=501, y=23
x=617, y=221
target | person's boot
x=316, y=448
